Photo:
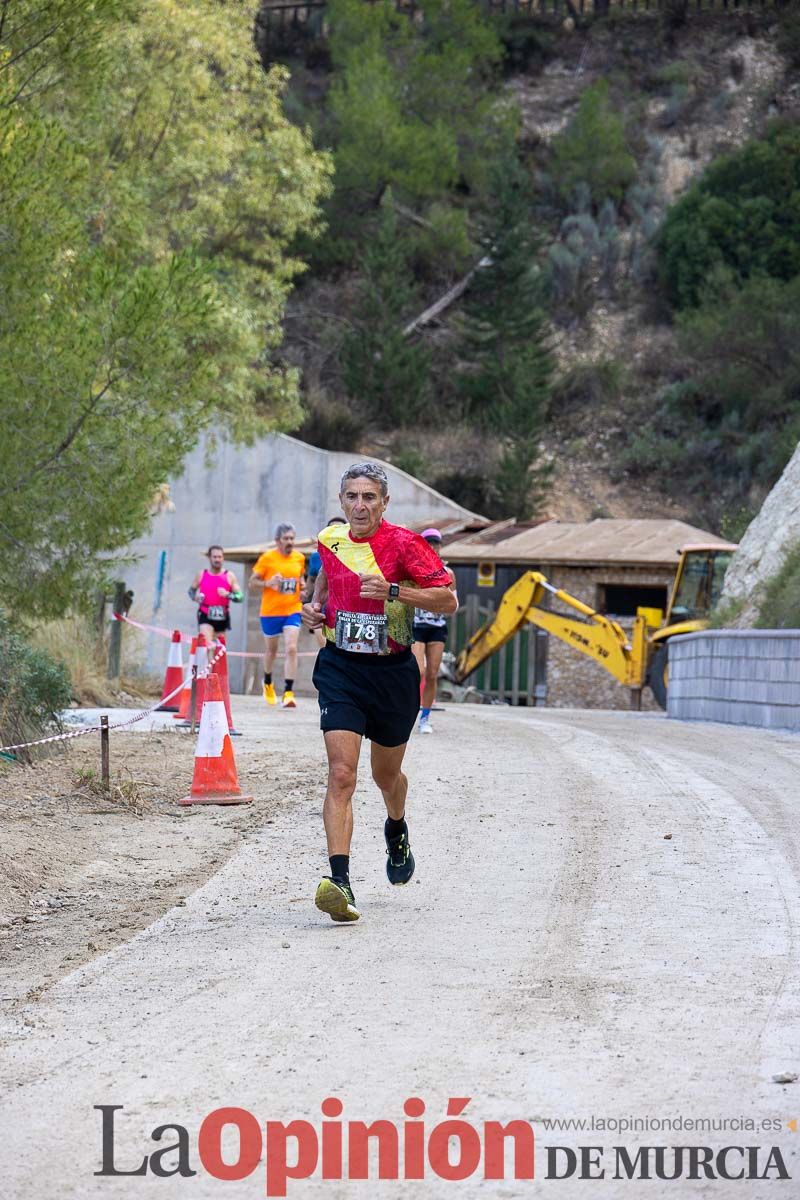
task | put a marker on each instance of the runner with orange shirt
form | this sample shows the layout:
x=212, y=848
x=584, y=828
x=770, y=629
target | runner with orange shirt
x=278, y=574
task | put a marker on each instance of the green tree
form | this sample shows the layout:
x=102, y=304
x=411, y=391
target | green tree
x=507, y=368
x=410, y=103
x=724, y=432
x=385, y=373
x=593, y=150
x=743, y=214
x=150, y=196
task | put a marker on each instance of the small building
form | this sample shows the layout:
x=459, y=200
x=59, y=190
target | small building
x=615, y=566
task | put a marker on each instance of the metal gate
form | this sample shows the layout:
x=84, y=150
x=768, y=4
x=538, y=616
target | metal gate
x=517, y=674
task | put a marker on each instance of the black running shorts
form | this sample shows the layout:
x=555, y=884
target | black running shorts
x=371, y=695
x=221, y=626
x=430, y=633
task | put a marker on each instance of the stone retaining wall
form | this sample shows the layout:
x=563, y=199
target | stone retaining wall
x=740, y=677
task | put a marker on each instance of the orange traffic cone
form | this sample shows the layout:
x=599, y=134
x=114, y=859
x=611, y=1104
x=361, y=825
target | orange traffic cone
x=215, y=780
x=220, y=669
x=186, y=695
x=173, y=677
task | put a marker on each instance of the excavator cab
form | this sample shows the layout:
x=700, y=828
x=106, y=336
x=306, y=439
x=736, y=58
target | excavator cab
x=697, y=588
x=698, y=584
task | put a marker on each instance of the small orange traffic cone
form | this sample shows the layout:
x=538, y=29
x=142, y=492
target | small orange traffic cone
x=173, y=677
x=215, y=780
x=220, y=669
x=186, y=695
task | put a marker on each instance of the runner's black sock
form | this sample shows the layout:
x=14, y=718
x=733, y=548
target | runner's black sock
x=267, y=677
x=288, y=684
x=394, y=828
x=340, y=867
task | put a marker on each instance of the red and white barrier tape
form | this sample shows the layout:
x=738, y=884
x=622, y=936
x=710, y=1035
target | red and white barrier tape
x=159, y=629
x=187, y=638
x=145, y=712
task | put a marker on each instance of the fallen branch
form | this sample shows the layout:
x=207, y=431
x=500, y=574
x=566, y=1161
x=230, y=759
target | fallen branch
x=444, y=302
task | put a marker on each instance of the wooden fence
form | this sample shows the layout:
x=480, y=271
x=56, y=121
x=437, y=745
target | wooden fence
x=517, y=674
x=282, y=20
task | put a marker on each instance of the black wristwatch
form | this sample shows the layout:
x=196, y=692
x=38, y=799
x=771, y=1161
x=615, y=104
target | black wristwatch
x=394, y=591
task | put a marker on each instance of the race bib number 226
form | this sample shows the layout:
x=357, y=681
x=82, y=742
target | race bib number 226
x=361, y=633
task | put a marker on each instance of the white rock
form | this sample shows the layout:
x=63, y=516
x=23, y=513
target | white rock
x=766, y=542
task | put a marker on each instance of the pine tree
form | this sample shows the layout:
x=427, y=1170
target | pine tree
x=507, y=367
x=386, y=373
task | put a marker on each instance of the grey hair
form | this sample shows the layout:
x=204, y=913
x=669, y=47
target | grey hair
x=366, y=470
x=280, y=530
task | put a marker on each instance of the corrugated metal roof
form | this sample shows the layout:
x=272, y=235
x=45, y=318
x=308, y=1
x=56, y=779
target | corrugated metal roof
x=645, y=542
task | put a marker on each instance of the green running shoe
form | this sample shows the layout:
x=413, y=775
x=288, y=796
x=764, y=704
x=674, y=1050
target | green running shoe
x=400, y=860
x=337, y=900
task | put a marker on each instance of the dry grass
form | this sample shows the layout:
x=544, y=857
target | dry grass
x=77, y=644
x=123, y=791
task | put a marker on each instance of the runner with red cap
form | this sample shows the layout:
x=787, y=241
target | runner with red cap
x=430, y=636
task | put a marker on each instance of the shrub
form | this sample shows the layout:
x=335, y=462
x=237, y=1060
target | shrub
x=33, y=689
x=589, y=385
x=680, y=71
x=594, y=150
x=789, y=36
x=83, y=649
x=780, y=608
x=411, y=460
x=526, y=46
x=473, y=489
x=733, y=524
x=330, y=424
x=743, y=214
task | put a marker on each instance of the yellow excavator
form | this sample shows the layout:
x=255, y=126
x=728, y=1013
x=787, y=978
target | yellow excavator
x=634, y=659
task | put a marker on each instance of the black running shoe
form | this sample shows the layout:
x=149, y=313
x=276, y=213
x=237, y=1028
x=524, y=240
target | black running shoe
x=400, y=860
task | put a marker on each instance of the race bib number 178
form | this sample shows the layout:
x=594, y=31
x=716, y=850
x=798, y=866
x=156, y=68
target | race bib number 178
x=361, y=633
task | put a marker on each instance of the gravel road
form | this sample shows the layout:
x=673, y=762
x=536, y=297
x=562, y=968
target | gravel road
x=602, y=924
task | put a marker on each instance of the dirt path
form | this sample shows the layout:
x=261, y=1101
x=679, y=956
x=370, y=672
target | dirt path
x=556, y=956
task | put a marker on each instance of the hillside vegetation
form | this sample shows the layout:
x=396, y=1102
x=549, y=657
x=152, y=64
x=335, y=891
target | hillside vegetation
x=623, y=200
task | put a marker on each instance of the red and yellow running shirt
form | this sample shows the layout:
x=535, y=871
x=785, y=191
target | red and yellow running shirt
x=396, y=555
x=291, y=567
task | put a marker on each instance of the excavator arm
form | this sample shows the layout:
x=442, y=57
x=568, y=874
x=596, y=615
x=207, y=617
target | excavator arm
x=594, y=635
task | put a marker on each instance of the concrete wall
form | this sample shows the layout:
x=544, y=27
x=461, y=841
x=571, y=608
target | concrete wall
x=235, y=495
x=740, y=677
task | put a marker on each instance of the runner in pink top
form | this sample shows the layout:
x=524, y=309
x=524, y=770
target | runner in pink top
x=213, y=590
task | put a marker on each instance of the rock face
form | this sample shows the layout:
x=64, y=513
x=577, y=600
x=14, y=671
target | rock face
x=765, y=544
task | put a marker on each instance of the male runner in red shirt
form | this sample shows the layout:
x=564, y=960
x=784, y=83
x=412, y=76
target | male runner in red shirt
x=373, y=576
